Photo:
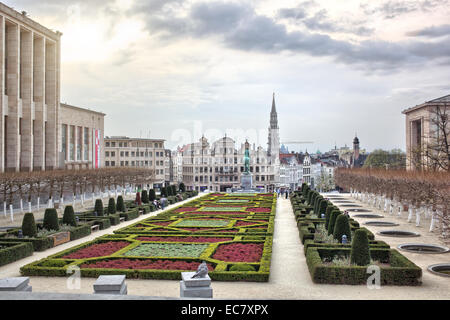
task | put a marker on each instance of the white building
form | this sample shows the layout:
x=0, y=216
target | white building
x=218, y=166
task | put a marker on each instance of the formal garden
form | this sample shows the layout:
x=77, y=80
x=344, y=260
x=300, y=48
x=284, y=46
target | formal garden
x=232, y=233
x=39, y=235
x=339, y=251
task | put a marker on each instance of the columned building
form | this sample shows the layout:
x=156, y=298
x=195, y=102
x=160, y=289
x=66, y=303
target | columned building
x=37, y=132
x=426, y=126
x=30, y=86
x=80, y=138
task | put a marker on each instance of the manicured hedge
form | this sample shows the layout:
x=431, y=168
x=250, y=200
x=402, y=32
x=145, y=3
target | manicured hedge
x=13, y=251
x=80, y=232
x=400, y=272
x=39, y=244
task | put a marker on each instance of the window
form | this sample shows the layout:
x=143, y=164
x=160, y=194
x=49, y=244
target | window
x=121, y=163
x=132, y=153
x=113, y=153
x=79, y=142
x=120, y=144
x=107, y=163
x=86, y=144
x=106, y=153
x=107, y=144
x=113, y=163
x=122, y=153
x=72, y=142
x=64, y=140
x=127, y=154
x=113, y=144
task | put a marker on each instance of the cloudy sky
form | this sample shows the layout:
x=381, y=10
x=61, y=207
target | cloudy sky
x=175, y=69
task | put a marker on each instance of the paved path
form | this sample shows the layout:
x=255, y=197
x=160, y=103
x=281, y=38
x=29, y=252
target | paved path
x=289, y=278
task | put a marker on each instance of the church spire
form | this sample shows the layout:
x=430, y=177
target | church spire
x=273, y=115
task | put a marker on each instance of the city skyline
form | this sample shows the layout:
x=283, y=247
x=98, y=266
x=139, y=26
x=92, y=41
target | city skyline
x=176, y=65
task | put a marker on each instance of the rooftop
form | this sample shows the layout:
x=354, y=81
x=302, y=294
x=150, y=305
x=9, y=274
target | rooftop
x=444, y=100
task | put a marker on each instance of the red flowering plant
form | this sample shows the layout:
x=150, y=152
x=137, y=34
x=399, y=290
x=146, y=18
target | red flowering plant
x=97, y=250
x=239, y=252
x=145, y=264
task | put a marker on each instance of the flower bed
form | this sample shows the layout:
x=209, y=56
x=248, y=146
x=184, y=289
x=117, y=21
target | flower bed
x=167, y=250
x=265, y=210
x=98, y=250
x=184, y=239
x=161, y=246
x=239, y=252
x=145, y=264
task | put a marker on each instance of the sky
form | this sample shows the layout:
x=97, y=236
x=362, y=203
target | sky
x=177, y=70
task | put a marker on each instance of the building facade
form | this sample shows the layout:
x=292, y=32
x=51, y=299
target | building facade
x=30, y=86
x=137, y=153
x=37, y=131
x=80, y=138
x=291, y=171
x=218, y=166
x=426, y=125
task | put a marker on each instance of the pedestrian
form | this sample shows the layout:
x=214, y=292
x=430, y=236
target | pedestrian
x=287, y=193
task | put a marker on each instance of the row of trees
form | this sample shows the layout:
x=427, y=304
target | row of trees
x=56, y=183
x=417, y=189
x=393, y=159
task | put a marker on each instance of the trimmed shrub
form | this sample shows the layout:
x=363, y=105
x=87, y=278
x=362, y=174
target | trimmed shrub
x=51, y=219
x=29, y=228
x=80, y=232
x=69, y=216
x=242, y=267
x=182, y=187
x=341, y=227
x=322, y=207
x=120, y=204
x=360, y=254
x=163, y=192
x=144, y=196
x=151, y=195
x=98, y=207
x=174, y=190
x=111, y=206
x=332, y=221
x=328, y=214
x=13, y=251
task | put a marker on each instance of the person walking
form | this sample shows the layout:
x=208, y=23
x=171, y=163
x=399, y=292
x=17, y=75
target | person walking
x=287, y=193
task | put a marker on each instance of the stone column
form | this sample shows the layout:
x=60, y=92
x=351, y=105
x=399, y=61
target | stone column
x=51, y=132
x=39, y=103
x=26, y=94
x=2, y=89
x=12, y=87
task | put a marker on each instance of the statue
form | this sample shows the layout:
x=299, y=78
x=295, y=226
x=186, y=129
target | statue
x=202, y=271
x=247, y=158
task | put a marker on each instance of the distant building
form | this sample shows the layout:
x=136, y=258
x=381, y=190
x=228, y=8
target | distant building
x=218, y=166
x=80, y=138
x=123, y=151
x=420, y=130
x=291, y=171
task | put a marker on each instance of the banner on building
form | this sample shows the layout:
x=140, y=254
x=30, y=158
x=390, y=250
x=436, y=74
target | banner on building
x=96, y=149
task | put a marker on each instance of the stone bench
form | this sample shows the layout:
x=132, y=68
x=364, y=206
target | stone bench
x=95, y=227
x=15, y=284
x=114, y=284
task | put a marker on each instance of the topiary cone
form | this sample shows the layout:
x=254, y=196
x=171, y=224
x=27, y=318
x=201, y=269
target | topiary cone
x=360, y=254
x=111, y=206
x=99, y=207
x=69, y=216
x=332, y=221
x=51, y=219
x=144, y=196
x=120, y=204
x=341, y=227
x=29, y=228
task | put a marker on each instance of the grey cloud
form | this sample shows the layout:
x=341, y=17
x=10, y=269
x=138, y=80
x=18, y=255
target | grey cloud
x=431, y=32
x=239, y=27
x=392, y=9
x=320, y=21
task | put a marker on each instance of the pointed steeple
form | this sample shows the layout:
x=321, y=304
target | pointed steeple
x=273, y=115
